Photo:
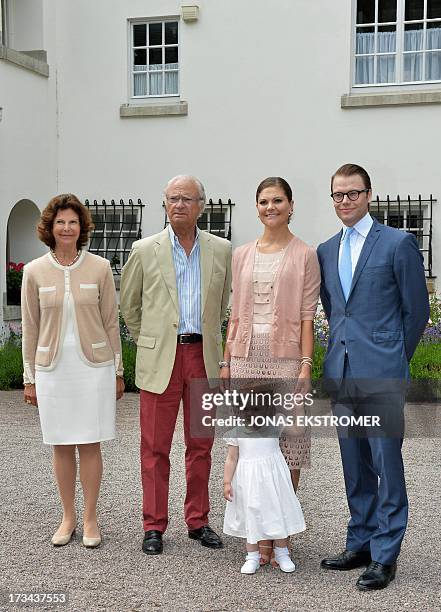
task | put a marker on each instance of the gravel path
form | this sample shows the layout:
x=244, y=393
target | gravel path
x=118, y=576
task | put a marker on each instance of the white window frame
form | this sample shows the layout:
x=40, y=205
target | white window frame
x=399, y=50
x=106, y=231
x=131, y=47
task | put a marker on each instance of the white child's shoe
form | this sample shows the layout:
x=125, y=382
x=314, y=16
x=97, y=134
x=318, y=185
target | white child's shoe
x=252, y=563
x=284, y=560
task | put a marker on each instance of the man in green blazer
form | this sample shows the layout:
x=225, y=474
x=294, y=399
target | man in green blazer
x=175, y=289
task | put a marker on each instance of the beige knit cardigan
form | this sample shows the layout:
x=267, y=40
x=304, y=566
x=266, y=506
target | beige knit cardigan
x=44, y=303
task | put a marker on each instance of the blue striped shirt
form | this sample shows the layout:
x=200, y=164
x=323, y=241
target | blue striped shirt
x=188, y=284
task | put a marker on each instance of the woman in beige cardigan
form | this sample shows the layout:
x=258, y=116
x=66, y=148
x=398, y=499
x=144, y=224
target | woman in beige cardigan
x=72, y=356
x=276, y=283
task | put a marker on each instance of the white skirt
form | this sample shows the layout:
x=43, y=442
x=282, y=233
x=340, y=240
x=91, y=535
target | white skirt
x=76, y=402
x=264, y=505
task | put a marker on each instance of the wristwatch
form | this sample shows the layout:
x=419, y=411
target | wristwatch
x=224, y=364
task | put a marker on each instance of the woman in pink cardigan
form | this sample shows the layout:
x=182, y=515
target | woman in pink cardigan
x=276, y=283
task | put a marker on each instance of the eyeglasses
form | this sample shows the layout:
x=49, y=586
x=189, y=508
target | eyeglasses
x=186, y=201
x=353, y=195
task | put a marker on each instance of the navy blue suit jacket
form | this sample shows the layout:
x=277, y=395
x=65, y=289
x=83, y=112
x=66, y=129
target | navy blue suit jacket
x=387, y=309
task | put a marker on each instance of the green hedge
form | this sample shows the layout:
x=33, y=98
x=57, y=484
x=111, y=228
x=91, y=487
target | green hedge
x=426, y=364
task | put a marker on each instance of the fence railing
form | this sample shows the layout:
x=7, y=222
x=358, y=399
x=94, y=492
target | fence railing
x=413, y=215
x=117, y=226
x=216, y=218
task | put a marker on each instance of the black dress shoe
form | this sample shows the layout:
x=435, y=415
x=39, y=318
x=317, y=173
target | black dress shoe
x=152, y=543
x=376, y=576
x=206, y=536
x=347, y=560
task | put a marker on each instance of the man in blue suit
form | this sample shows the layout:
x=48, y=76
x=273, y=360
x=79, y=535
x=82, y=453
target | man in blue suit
x=375, y=299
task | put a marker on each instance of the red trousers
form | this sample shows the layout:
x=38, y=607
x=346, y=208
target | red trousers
x=158, y=413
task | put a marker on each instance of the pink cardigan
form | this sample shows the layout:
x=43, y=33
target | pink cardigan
x=295, y=295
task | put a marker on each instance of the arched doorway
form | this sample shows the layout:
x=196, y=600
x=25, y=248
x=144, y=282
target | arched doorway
x=22, y=244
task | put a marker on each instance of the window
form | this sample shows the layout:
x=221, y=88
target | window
x=397, y=42
x=116, y=229
x=410, y=215
x=154, y=59
x=216, y=220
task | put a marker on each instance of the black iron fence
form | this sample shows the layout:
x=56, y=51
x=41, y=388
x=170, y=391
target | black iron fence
x=216, y=218
x=413, y=215
x=117, y=226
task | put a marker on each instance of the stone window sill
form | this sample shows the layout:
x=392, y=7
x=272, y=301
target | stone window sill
x=24, y=60
x=154, y=109
x=11, y=313
x=395, y=98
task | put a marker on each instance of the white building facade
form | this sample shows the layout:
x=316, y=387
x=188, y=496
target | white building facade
x=109, y=99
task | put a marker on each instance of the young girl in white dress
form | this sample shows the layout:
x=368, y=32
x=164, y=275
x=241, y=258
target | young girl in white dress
x=262, y=504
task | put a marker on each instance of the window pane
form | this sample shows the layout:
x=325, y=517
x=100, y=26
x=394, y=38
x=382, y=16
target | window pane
x=433, y=66
x=365, y=11
x=155, y=82
x=413, y=37
x=378, y=215
x=202, y=221
x=365, y=40
x=171, y=55
x=217, y=221
x=364, y=70
x=414, y=10
x=112, y=244
x=140, y=57
x=387, y=10
x=140, y=84
x=171, y=32
x=97, y=244
x=155, y=33
x=129, y=221
x=413, y=66
x=155, y=56
x=387, y=37
x=386, y=69
x=433, y=9
x=433, y=36
x=171, y=82
x=140, y=35
x=395, y=219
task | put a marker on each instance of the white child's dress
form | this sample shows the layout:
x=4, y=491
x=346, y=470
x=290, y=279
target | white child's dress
x=264, y=505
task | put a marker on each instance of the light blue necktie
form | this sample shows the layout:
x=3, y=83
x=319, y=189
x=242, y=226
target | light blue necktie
x=345, y=263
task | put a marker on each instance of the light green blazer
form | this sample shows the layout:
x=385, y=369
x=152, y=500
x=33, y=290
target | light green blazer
x=149, y=305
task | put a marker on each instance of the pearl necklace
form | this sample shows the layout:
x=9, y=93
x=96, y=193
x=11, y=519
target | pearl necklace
x=65, y=265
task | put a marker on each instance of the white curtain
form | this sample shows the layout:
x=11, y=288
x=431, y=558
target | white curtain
x=140, y=81
x=413, y=62
x=157, y=78
x=364, y=66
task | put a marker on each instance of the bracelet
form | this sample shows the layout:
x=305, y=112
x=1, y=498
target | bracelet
x=28, y=385
x=224, y=364
x=306, y=361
